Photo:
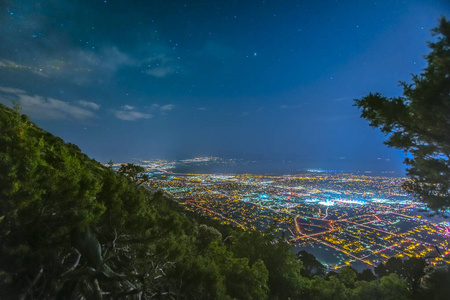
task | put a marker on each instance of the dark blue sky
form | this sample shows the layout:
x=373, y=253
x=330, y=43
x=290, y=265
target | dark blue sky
x=242, y=79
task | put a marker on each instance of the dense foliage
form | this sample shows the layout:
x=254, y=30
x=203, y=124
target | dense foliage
x=419, y=122
x=71, y=228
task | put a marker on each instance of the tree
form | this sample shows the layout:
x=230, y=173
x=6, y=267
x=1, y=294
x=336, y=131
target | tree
x=393, y=288
x=436, y=283
x=348, y=276
x=284, y=268
x=70, y=228
x=331, y=289
x=367, y=290
x=414, y=271
x=381, y=270
x=206, y=235
x=311, y=266
x=134, y=173
x=366, y=275
x=411, y=270
x=46, y=194
x=419, y=122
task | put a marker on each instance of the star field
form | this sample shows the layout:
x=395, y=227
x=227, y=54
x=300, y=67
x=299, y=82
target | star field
x=243, y=79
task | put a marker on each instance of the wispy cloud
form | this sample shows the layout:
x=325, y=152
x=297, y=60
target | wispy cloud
x=10, y=90
x=17, y=67
x=9, y=64
x=63, y=53
x=162, y=109
x=160, y=66
x=160, y=72
x=85, y=66
x=129, y=113
x=78, y=64
x=88, y=104
x=167, y=107
x=41, y=107
x=107, y=59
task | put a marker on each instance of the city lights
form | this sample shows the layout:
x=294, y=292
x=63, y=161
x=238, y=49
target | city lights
x=341, y=218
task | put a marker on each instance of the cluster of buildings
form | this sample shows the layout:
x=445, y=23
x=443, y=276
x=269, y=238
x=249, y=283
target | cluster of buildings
x=341, y=218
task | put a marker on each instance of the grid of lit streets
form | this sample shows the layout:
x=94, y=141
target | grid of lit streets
x=342, y=219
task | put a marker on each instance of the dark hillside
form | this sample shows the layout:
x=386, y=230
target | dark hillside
x=71, y=228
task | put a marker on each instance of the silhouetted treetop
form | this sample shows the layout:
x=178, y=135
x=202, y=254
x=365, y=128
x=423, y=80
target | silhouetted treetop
x=418, y=123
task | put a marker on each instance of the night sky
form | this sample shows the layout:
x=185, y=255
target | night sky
x=238, y=79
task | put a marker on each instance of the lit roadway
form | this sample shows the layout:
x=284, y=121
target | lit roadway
x=328, y=245
x=312, y=236
x=330, y=222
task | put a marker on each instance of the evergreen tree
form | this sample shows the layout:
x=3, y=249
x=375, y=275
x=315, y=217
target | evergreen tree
x=436, y=283
x=418, y=123
x=311, y=266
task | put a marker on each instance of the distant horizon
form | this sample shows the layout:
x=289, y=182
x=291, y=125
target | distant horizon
x=280, y=166
x=245, y=79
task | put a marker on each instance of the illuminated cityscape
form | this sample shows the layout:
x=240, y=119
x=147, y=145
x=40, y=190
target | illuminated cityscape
x=341, y=218
x=225, y=149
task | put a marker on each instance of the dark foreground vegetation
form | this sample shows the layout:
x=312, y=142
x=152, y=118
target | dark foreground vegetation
x=71, y=228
